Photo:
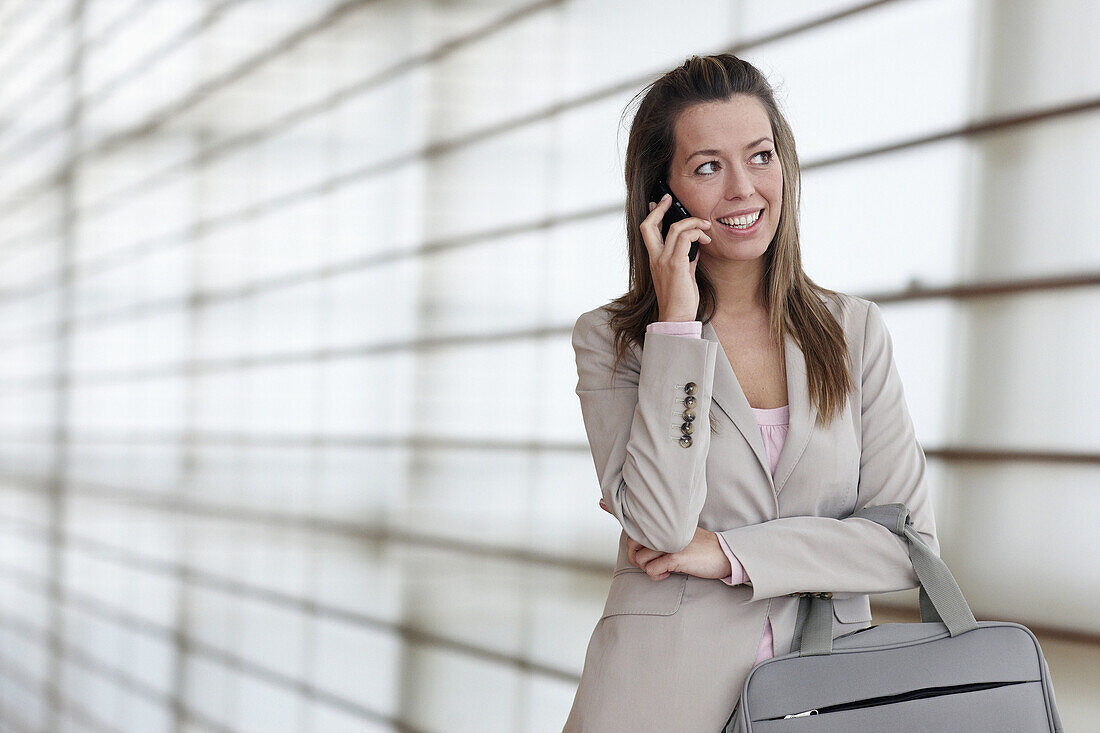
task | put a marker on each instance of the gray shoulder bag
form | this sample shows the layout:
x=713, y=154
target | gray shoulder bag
x=947, y=673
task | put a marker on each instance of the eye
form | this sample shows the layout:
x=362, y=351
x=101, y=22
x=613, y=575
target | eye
x=770, y=155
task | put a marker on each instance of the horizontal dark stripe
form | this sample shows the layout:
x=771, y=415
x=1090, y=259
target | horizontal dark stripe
x=1002, y=455
x=195, y=366
x=143, y=309
x=359, y=531
x=988, y=289
x=907, y=614
x=321, y=441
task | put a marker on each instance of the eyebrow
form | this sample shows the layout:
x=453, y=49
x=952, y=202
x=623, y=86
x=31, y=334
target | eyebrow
x=710, y=151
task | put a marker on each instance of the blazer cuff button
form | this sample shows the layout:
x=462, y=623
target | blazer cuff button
x=687, y=428
x=688, y=416
x=689, y=402
x=685, y=441
x=690, y=388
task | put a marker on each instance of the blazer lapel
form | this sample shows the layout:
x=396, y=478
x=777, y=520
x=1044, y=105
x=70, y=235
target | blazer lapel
x=729, y=396
x=803, y=413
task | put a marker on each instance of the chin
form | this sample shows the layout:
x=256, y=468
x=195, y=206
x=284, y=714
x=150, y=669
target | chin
x=745, y=253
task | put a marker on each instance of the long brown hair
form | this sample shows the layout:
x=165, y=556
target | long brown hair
x=794, y=302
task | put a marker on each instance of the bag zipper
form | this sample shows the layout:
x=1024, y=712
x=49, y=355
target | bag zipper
x=901, y=697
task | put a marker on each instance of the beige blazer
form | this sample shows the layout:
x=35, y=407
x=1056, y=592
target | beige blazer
x=672, y=655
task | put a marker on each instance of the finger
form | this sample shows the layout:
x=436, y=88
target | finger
x=658, y=568
x=657, y=210
x=644, y=556
x=680, y=242
x=687, y=230
x=651, y=227
x=605, y=508
x=692, y=222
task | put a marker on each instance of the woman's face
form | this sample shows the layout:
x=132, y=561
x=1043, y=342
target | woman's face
x=723, y=167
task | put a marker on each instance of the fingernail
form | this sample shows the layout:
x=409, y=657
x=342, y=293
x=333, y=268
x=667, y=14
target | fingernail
x=664, y=197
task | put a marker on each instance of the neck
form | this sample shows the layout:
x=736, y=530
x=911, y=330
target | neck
x=737, y=284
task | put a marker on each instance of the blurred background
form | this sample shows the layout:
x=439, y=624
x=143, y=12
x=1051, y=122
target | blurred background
x=288, y=435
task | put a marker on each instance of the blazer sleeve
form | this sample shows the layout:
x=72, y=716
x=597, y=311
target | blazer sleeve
x=810, y=554
x=653, y=483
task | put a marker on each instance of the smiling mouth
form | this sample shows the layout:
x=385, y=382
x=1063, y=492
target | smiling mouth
x=759, y=216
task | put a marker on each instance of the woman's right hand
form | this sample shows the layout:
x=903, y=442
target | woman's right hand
x=638, y=554
x=703, y=557
x=673, y=273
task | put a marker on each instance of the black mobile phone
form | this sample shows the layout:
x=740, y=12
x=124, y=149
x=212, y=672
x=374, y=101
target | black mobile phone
x=675, y=213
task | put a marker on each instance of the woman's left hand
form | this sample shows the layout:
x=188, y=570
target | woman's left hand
x=703, y=557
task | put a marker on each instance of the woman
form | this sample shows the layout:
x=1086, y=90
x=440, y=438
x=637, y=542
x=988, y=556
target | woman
x=725, y=528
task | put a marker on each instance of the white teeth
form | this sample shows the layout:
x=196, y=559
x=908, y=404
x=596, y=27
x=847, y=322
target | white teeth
x=742, y=222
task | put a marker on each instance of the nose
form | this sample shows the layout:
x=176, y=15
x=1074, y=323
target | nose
x=739, y=184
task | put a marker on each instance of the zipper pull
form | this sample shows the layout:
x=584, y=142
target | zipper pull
x=801, y=715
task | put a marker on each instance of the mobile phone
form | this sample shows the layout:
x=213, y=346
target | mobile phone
x=675, y=213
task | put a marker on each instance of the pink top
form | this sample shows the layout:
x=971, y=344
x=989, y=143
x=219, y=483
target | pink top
x=774, y=424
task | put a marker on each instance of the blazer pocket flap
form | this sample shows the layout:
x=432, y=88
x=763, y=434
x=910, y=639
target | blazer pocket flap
x=632, y=591
x=852, y=610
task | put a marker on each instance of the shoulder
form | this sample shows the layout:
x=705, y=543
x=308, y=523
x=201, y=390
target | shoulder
x=593, y=328
x=867, y=320
x=862, y=323
x=850, y=311
x=594, y=339
x=593, y=318
x=868, y=336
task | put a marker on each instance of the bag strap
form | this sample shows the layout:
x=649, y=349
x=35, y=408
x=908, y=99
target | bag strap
x=941, y=600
